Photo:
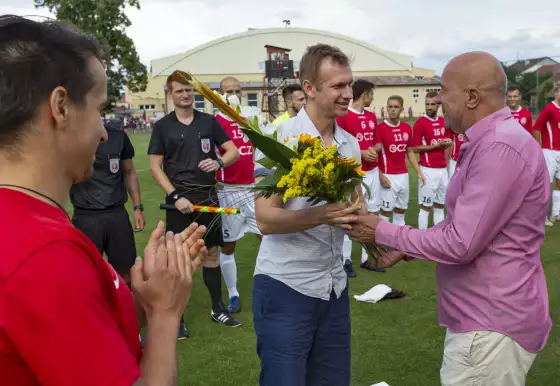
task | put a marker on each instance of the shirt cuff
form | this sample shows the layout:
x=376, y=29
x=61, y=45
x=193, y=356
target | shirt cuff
x=386, y=234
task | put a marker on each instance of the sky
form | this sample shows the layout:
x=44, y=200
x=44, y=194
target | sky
x=431, y=31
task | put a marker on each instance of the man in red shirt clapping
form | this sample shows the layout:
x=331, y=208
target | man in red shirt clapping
x=66, y=317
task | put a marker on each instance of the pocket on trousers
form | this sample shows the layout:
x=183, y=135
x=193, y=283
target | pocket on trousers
x=458, y=348
x=261, y=295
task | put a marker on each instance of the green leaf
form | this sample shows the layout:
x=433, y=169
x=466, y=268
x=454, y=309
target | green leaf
x=267, y=186
x=255, y=121
x=272, y=149
x=238, y=109
x=368, y=190
x=268, y=163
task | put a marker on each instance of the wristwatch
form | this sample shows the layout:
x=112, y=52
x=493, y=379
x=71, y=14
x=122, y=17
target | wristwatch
x=220, y=163
x=139, y=207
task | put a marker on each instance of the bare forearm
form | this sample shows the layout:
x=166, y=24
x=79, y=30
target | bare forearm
x=414, y=161
x=159, y=360
x=424, y=148
x=133, y=187
x=162, y=180
x=273, y=220
x=230, y=157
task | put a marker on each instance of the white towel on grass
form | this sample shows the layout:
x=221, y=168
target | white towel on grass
x=374, y=295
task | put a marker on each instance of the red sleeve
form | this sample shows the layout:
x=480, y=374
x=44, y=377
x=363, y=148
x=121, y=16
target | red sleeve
x=529, y=121
x=377, y=135
x=340, y=121
x=540, y=123
x=417, y=134
x=58, y=318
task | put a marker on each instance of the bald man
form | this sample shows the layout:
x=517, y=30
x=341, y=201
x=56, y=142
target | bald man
x=235, y=191
x=492, y=290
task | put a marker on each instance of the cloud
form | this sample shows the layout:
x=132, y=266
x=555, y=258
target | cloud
x=432, y=31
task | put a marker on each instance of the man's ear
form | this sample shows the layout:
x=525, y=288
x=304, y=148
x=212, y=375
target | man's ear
x=59, y=105
x=473, y=97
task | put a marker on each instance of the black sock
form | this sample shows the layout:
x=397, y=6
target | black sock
x=213, y=280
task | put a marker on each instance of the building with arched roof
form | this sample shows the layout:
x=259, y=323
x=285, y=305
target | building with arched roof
x=243, y=55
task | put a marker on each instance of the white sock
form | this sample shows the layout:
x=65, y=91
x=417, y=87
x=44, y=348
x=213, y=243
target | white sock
x=556, y=203
x=346, y=249
x=364, y=255
x=398, y=218
x=423, y=218
x=229, y=272
x=439, y=215
x=384, y=218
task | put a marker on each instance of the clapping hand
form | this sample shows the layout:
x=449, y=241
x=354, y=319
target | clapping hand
x=192, y=243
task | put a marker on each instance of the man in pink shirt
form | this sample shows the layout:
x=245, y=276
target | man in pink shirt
x=493, y=298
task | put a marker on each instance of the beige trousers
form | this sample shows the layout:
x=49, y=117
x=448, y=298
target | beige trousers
x=484, y=358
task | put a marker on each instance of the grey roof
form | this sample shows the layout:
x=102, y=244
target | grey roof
x=522, y=65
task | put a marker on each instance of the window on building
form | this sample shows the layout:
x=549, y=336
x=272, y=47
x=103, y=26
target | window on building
x=199, y=103
x=419, y=77
x=415, y=93
x=253, y=99
x=153, y=107
x=141, y=107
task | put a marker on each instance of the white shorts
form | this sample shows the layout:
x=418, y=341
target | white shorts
x=371, y=180
x=451, y=168
x=234, y=226
x=552, y=158
x=397, y=195
x=435, y=187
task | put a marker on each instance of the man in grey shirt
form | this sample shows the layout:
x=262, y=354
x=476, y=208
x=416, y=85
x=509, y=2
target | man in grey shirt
x=300, y=296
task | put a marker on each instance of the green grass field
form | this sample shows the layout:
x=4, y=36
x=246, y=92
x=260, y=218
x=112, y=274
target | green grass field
x=395, y=341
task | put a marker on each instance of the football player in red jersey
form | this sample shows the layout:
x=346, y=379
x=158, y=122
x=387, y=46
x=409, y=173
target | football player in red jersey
x=431, y=140
x=361, y=123
x=235, y=191
x=520, y=113
x=67, y=317
x=393, y=139
x=547, y=133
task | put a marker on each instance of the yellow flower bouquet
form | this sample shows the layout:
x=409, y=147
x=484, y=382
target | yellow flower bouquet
x=304, y=167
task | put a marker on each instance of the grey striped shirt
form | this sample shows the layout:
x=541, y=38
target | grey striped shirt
x=310, y=262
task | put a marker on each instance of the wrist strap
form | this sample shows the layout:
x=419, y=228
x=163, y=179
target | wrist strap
x=174, y=196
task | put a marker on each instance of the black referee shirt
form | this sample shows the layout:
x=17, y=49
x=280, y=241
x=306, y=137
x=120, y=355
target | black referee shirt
x=184, y=146
x=105, y=188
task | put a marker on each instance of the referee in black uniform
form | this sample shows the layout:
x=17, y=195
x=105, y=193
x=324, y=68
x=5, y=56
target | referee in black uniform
x=99, y=201
x=184, y=143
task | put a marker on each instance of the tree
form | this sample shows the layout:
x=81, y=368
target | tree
x=107, y=21
x=527, y=83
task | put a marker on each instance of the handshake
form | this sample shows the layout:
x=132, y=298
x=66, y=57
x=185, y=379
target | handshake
x=360, y=226
x=162, y=280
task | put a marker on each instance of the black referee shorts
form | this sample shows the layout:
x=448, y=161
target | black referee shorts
x=177, y=222
x=112, y=234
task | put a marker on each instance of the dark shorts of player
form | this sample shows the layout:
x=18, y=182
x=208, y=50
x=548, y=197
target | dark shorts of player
x=111, y=232
x=177, y=222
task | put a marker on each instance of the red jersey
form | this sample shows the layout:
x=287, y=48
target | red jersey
x=548, y=123
x=66, y=317
x=458, y=140
x=362, y=127
x=394, y=142
x=525, y=118
x=428, y=131
x=242, y=172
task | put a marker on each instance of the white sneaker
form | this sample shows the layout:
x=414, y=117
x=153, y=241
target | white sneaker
x=549, y=223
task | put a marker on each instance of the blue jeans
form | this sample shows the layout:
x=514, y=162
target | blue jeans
x=301, y=341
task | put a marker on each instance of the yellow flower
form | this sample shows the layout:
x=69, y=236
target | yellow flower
x=359, y=171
